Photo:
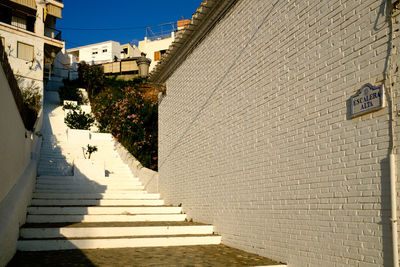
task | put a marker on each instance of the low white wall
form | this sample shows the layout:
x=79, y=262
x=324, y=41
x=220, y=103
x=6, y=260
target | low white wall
x=148, y=177
x=19, y=151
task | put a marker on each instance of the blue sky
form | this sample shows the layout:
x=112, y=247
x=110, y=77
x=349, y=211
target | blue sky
x=79, y=15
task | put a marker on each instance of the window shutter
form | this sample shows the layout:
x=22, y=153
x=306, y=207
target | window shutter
x=157, y=56
x=25, y=51
x=18, y=22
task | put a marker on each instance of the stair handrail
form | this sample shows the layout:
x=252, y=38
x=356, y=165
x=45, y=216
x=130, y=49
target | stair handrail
x=28, y=116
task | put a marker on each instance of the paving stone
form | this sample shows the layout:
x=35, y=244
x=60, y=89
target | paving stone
x=189, y=256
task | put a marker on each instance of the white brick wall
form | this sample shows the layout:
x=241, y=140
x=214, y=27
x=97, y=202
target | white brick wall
x=255, y=135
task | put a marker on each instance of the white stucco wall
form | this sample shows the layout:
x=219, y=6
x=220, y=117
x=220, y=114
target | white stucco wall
x=149, y=47
x=255, y=135
x=135, y=51
x=86, y=52
x=18, y=153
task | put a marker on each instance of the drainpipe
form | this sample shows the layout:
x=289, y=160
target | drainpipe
x=393, y=180
x=394, y=219
x=392, y=156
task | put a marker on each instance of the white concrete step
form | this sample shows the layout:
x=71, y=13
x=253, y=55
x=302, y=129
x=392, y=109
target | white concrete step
x=114, y=184
x=120, y=180
x=45, y=245
x=84, y=182
x=104, y=218
x=97, y=202
x=87, y=187
x=71, y=232
x=121, y=196
x=104, y=210
x=135, y=192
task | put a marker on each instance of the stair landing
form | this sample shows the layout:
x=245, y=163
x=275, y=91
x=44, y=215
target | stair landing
x=199, y=256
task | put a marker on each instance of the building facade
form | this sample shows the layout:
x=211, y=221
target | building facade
x=155, y=49
x=257, y=134
x=129, y=51
x=158, y=39
x=104, y=52
x=28, y=33
x=97, y=53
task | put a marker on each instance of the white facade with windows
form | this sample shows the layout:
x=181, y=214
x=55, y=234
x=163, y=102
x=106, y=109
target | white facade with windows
x=103, y=52
x=27, y=31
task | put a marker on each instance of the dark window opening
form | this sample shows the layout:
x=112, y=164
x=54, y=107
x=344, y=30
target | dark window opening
x=5, y=14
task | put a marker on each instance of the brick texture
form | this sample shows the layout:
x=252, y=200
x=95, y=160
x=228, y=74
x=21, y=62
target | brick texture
x=255, y=134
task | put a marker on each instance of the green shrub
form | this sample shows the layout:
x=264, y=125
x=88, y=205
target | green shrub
x=126, y=109
x=71, y=106
x=90, y=149
x=79, y=120
x=31, y=96
x=132, y=118
x=68, y=92
x=91, y=77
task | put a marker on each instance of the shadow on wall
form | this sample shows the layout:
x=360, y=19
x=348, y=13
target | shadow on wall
x=383, y=19
x=53, y=210
x=46, y=212
x=218, y=84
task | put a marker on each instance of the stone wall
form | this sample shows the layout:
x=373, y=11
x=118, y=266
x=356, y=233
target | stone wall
x=256, y=137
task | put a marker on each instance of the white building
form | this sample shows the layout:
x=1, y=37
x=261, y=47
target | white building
x=103, y=52
x=157, y=42
x=155, y=49
x=27, y=31
x=129, y=51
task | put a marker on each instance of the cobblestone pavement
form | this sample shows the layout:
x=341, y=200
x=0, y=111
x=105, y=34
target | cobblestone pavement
x=189, y=256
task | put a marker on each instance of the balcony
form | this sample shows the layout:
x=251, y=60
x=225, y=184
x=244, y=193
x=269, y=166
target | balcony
x=52, y=33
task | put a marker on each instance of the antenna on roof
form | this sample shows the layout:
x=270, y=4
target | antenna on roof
x=160, y=31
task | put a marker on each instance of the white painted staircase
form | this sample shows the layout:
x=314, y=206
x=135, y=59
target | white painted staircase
x=79, y=209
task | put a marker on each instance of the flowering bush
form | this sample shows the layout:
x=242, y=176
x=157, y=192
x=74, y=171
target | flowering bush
x=127, y=109
x=132, y=118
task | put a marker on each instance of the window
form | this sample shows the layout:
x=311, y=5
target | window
x=156, y=55
x=159, y=54
x=104, y=50
x=25, y=51
x=5, y=14
x=18, y=22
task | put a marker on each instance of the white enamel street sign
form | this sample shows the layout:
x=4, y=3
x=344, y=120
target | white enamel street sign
x=368, y=98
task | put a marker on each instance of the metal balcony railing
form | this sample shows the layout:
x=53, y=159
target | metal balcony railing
x=52, y=33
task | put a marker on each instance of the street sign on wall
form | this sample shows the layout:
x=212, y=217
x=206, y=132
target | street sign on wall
x=367, y=99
